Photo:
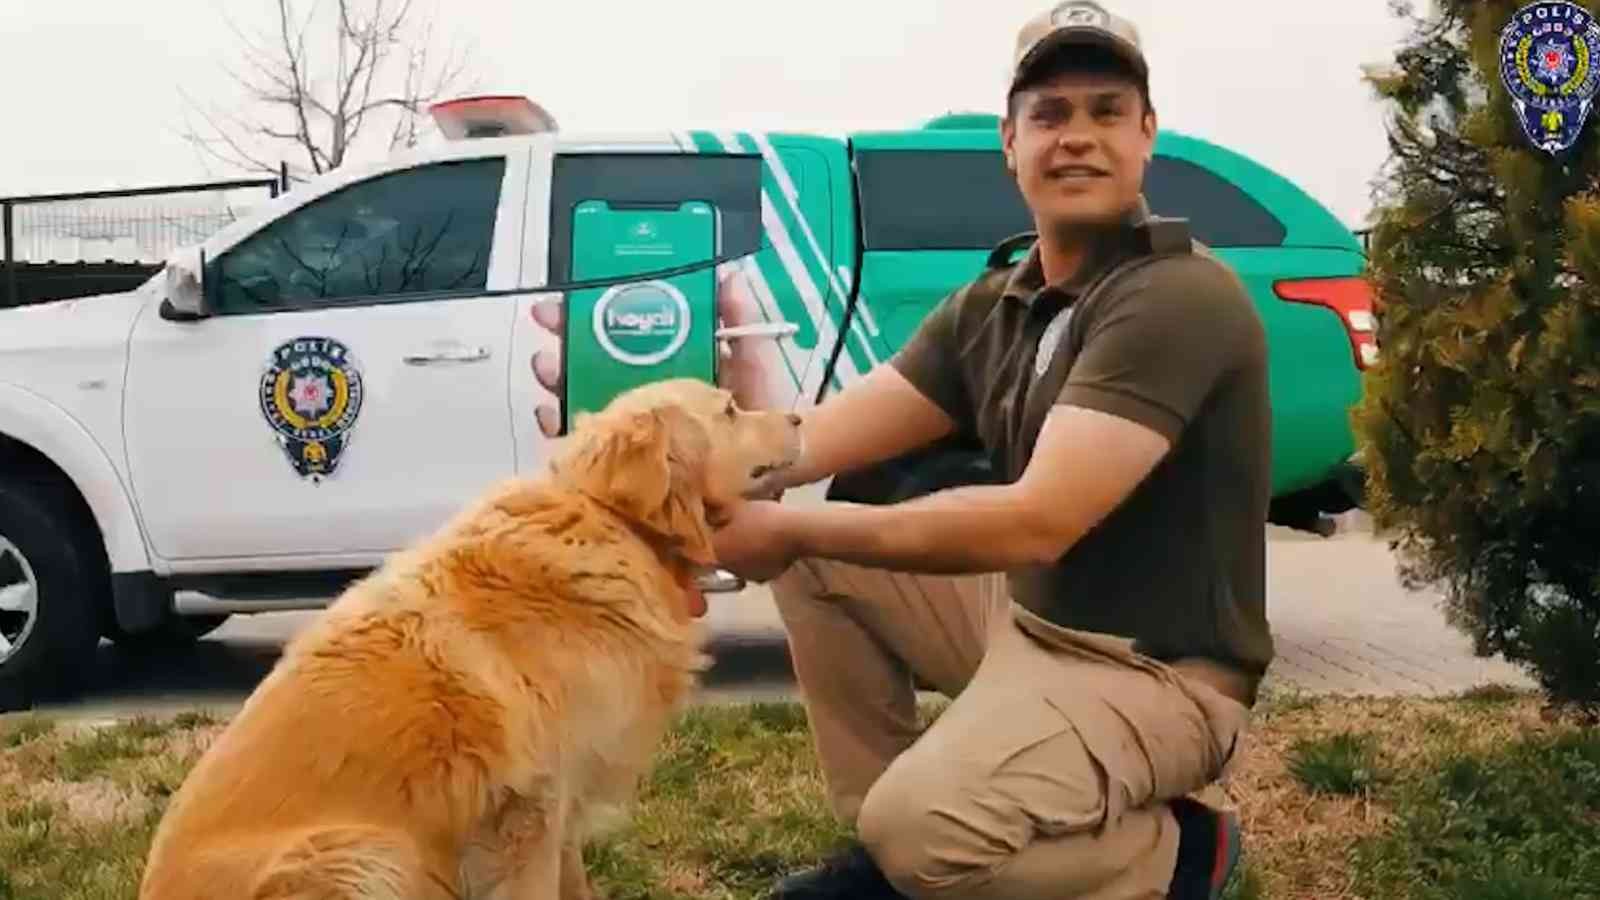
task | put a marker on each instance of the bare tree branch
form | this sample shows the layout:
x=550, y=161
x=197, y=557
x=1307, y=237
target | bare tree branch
x=378, y=86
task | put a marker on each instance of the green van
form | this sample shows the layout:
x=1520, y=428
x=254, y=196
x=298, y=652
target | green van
x=911, y=214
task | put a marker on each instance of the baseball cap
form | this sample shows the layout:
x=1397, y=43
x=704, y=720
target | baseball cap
x=1080, y=23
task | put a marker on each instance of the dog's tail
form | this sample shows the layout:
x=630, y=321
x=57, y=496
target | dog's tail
x=356, y=862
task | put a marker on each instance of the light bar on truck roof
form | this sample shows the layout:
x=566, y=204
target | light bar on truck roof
x=466, y=118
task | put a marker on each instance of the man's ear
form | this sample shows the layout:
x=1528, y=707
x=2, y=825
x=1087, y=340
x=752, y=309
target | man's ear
x=1008, y=135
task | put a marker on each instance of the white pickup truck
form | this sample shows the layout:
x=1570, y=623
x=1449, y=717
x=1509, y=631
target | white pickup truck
x=313, y=386
x=319, y=383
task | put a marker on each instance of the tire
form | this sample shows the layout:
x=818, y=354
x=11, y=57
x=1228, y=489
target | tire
x=45, y=541
x=176, y=633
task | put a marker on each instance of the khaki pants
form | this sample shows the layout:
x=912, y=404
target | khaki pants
x=1045, y=776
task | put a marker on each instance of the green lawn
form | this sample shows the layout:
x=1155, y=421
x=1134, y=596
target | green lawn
x=1477, y=797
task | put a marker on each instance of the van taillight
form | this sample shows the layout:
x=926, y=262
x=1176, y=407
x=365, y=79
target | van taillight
x=1350, y=299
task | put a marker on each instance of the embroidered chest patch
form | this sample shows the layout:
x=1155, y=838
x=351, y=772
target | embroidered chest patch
x=1050, y=341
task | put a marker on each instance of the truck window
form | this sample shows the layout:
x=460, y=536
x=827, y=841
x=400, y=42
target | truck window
x=966, y=200
x=731, y=183
x=938, y=200
x=387, y=239
x=1219, y=214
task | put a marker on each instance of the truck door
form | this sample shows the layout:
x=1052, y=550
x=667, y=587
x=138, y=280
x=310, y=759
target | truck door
x=348, y=391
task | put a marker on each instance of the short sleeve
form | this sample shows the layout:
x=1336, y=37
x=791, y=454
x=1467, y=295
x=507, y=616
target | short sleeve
x=930, y=361
x=1156, y=350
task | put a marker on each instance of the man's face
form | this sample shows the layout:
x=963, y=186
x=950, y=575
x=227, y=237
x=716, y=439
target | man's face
x=1078, y=144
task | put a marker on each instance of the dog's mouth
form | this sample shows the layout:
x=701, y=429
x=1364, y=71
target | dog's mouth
x=762, y=471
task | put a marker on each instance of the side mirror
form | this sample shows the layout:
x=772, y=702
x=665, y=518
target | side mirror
x=185, y=286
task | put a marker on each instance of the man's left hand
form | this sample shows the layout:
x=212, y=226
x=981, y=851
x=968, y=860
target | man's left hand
x=754, y=540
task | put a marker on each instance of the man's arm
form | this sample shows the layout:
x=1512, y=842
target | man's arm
x=914, y=399
x=1086, y=462
x=1147, y=367
x=877, y=418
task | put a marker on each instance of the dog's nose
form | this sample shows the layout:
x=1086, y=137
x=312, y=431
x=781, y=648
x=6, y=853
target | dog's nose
x=794, y=419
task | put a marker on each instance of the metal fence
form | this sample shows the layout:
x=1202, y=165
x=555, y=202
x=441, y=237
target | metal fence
x=64, y=245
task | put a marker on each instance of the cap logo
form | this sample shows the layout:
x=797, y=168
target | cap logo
x=1080, y=15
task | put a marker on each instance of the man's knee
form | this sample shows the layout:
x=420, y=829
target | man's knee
x=900, y=831
x=923, y=841
x=940, y=823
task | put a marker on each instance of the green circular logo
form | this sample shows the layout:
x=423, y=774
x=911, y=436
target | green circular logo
x=642, y=324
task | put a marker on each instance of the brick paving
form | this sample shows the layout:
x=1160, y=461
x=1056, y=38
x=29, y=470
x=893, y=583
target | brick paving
x=1344, y=625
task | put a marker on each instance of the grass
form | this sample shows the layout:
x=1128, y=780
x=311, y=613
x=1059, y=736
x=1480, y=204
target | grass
x=1340, y=764
x=1478, y=798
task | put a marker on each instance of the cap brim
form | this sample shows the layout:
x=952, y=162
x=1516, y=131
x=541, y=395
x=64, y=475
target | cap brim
x=1064, y=38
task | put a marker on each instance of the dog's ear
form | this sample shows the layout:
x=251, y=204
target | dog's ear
x=650, y=466
x=683, y=513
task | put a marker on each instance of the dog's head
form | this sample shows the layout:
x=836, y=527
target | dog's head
x=664, y=454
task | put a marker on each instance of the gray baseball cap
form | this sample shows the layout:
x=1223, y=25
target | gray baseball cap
x=1082, y=23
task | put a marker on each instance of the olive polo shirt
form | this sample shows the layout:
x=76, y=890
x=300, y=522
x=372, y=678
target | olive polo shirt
x=1173, y=343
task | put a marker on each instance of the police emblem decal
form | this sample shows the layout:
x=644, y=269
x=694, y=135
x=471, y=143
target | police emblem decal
x=1049, y=341
x=311, y=394
x=1547, y=62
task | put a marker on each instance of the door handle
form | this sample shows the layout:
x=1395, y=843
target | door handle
x=441, y=357
x=764, y=330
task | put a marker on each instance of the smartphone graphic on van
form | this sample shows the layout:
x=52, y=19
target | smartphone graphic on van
x=628, y=334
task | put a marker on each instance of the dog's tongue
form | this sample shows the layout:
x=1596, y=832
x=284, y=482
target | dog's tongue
x=693, y=595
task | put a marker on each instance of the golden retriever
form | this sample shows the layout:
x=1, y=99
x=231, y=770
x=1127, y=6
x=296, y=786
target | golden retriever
x=457, y=723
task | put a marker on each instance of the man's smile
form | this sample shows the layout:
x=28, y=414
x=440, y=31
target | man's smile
x=1075, y=172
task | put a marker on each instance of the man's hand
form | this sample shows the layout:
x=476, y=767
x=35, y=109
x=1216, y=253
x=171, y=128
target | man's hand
x=752, y=368
x=753, y=540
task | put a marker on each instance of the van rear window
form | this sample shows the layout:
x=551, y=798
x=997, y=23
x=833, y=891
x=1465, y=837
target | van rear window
x=966, y=200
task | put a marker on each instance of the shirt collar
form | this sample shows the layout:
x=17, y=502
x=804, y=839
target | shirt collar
x=1027, y=282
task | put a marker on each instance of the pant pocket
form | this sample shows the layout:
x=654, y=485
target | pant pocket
x=1148, y=739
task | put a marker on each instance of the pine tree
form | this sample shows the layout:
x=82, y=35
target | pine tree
x=1480, y=427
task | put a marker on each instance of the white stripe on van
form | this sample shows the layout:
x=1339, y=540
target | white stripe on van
x=787, y=183
x=800, y=278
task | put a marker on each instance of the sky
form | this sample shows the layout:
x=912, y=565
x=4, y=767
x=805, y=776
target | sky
x=92, y=87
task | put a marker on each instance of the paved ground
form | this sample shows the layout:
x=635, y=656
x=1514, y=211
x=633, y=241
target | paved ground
x=1342, y=622
x=1344, y=625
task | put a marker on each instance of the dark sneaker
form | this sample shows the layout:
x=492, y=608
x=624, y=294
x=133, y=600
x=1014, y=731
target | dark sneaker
x=1208, y=850
x=848, y=875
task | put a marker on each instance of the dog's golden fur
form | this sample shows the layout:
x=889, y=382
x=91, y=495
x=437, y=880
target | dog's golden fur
x=458, y=723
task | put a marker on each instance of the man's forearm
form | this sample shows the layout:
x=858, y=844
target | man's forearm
x=962, y=530
x=877, y=418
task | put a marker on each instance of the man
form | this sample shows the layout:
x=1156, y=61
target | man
x=1117, y=378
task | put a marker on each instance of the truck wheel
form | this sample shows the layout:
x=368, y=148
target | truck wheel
x=52, y=575
x=175, y=633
